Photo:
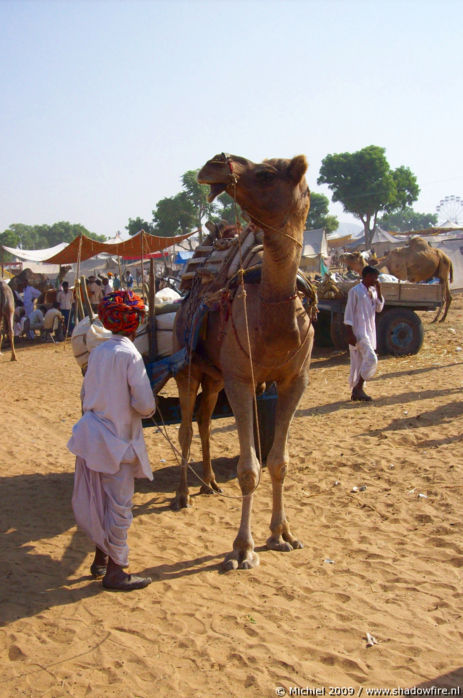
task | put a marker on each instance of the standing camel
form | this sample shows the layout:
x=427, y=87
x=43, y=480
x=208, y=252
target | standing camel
x=276, y=198
x=6, y=315
x=418, y=261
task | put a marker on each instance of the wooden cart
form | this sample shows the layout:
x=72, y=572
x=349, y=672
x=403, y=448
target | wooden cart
x=399, y=330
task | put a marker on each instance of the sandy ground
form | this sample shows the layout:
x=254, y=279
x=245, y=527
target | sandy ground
x=385, y=560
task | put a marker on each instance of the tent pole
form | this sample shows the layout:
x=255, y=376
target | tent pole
x=142, y=255
x=152, y=339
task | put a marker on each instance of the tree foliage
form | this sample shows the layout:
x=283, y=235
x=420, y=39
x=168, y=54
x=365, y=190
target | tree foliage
x=136, y=224
x=407, y=219
x=318, y=214
x=366, y=185
x=185, y=212
x=39, y=237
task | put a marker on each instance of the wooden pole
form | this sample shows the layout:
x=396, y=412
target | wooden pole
x=87, y=304
x=152, y=339
x=142, y=255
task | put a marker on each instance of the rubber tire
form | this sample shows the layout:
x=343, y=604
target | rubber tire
x=399, y=332
x=322, y=328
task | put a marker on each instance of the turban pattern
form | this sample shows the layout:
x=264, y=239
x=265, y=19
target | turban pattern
x=121, y=312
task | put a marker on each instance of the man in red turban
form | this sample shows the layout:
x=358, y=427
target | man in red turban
x=108, y=441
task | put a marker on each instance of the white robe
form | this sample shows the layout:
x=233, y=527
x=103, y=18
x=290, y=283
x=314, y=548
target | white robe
x=29, y=295
x=361, y=308
x=116, y=395
x=109, y=445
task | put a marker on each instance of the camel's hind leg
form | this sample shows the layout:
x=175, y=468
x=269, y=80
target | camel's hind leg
x=446, y=300
x=187, y=389
x=277, y=463
x=10, y=334
x=209, y=395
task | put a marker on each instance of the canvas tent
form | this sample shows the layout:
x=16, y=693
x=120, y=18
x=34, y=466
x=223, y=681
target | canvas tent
x=141, y=245
x=34, y=259
x=314, y=249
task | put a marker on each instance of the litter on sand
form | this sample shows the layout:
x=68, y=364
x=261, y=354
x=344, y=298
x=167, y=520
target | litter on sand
x=370, y=640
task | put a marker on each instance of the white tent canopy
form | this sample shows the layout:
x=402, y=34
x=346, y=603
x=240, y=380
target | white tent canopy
x=35, y=255
x=314, y=243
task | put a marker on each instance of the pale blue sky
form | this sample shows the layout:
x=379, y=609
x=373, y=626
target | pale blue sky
x=106, y=103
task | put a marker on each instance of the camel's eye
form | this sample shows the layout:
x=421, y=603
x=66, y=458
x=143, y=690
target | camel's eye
x=265, y=176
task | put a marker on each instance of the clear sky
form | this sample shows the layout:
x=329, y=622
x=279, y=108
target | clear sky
x=105, y=104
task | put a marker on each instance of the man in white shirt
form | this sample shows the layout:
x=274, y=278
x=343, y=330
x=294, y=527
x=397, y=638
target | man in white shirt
x=108, y=441
x=363, y=302
x=95, y=292
x=64, y=298
x=35, y=321
x=53, y=321
x=29, y=295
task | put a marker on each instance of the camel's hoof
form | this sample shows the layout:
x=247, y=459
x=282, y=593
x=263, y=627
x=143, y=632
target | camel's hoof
x=281, y=546
x=240, y=561
x=284, y=546
x=210, y=489
x=181, y=501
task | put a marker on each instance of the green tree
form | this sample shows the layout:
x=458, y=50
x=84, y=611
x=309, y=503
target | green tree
x=197, y=196
x=136, y=224
x=365, y=184
x=407, y=219
x=318, y=214
x=225, y=209
x=39, y=237
x=174, y=215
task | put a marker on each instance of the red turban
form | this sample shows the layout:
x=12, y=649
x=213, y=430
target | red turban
x=121, y=312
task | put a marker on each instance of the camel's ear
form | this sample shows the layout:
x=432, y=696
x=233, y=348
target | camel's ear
x=297, y=168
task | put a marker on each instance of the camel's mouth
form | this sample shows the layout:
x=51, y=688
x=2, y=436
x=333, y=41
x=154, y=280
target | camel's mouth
x=215, y=190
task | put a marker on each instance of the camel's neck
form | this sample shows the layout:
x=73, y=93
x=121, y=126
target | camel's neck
x=282, y=255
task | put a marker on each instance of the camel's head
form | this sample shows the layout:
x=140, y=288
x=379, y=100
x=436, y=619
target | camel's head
x=272, y=193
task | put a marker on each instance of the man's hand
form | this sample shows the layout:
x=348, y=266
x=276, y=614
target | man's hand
x=350, y=335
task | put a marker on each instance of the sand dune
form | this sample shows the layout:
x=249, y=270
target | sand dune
x=382, y=560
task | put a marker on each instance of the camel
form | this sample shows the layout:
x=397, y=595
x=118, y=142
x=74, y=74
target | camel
x=418, y=261
x=37, y=280
x=6, y=315
x=354, y=261
x=275, y=196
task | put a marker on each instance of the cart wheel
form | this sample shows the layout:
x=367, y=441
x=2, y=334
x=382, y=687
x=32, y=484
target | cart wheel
x=338, y=331
x=399, y=332
x=322, y=328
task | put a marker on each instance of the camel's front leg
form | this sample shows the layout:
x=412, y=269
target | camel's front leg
x=240, y=397
x=209, y=394
x=277, y=463
x=187, y=389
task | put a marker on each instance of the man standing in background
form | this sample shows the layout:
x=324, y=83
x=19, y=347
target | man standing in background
x=363, y=302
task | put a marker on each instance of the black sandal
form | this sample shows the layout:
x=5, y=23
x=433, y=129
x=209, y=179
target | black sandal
x=98, y=571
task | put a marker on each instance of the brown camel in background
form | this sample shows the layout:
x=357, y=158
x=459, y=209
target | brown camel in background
x=275, y=196
x=354, y=261
x=6, y=316
x=418, y=261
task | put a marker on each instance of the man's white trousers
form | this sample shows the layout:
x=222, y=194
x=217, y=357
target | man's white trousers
x=102, y=506
x=363, y=362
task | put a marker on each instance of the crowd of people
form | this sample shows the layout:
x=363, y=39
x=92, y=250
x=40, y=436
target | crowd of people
x=55, y=321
